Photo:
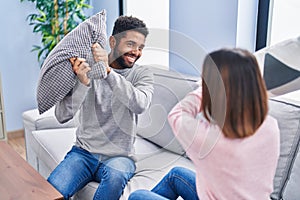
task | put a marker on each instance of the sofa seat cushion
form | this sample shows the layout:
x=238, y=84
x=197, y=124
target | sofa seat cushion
x=153, y=162
x=52, y=145
x=148, y=173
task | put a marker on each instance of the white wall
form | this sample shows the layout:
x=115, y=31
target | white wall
x=199, y=27
x=185, y=31
x=285, y=20
x=155, y=14
x=19, y=67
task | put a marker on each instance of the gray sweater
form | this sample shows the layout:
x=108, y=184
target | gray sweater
x=108, y=110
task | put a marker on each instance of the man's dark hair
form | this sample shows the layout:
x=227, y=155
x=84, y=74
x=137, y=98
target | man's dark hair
x=125, y=23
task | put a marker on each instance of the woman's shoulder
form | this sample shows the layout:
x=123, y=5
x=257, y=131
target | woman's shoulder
x=270, y=125
x=271, y=122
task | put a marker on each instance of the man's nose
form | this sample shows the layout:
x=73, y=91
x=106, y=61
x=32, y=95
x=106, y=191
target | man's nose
x=136, y=50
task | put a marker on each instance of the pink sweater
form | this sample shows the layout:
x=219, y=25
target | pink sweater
x=226, y=168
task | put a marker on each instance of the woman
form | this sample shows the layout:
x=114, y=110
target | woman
x=226, y=130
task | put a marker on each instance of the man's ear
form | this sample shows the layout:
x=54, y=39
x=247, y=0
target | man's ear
x=112, y=42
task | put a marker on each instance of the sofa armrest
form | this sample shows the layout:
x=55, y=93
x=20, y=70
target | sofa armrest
x=33, y=121
x=29, y=118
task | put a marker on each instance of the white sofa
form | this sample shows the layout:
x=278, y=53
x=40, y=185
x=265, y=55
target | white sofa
x=157, y=150
x=47, y=141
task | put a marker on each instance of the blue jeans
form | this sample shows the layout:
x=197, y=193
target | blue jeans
x=178, y=182
x=80, y=167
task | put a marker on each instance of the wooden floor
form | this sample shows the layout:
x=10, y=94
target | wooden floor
x=17, y=142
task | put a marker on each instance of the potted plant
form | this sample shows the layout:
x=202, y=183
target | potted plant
x=53, y=20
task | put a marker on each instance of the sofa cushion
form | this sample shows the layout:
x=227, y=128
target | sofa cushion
x=148, y=173
x=287, y=176
x=286, y=52
x=276, y=73
x=51, y=145
x=169, y=88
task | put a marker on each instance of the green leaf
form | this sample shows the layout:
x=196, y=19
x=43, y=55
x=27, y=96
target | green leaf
x=35, y=48
x=43, y=21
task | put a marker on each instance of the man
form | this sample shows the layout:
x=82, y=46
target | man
x=108, y=106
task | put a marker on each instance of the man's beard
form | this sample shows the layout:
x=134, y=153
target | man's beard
x=121, y=61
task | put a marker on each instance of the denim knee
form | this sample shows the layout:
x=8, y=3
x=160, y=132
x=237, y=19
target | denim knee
x=138, y=194
x=145, y=195
x=62, y=188
x=115, y=177
x=176, y=170
x=118, y=168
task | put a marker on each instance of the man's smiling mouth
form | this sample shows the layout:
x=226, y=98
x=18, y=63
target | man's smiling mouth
x=130, y=58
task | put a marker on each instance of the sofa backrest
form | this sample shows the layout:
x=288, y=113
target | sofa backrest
x=280, y=65
x=287, y=176
x=169, y=88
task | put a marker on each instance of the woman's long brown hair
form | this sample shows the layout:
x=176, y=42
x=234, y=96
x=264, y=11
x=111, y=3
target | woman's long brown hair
x=234, y=93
